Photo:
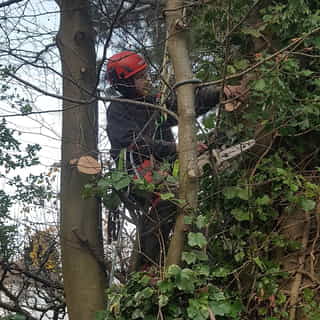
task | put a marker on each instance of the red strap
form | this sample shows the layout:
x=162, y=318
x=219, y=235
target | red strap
x=146, y=170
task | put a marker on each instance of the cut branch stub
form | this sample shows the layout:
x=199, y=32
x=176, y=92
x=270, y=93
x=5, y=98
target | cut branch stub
x=87, y=165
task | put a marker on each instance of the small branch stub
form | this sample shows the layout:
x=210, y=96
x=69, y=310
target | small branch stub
x=180, y=25
x=79, y=36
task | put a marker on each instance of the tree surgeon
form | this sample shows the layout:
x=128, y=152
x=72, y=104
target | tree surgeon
x=146, y=136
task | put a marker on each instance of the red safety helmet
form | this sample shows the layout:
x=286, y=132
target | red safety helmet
x=124, y=65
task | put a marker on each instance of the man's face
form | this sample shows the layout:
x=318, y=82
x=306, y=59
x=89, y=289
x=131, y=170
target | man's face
x=142, y=83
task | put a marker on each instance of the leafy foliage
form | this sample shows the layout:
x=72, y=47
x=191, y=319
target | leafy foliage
x=238, y=247
x=29, y=192
x=181, y=293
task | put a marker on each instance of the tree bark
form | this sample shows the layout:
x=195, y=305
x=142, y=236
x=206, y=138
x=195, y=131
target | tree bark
x=188, y=179
x=81, y=240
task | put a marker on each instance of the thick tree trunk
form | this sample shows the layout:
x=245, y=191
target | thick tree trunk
x=81, y=243
x=178, y=51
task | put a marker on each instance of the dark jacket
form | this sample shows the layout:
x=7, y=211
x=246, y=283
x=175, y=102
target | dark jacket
x=126, y=121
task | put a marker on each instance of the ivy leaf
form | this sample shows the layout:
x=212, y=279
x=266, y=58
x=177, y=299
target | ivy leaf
x=172, y=180
x=260, y=85
x=167, y=196
x=186, y=280
x=201, y=256
x=243, y=194
x=259, y=263
x=221, y=272
x=241, y=215
x=100, y=315
x=188, y=219
x=220, y=308
x=140, y=296
x=307, y=204
x=123, y=183
x=263, y=201
x=175, y=310
x=241, y=64
x=236, y=192
x=137, y=314
x=111, y=201
x=316, y=82
x=306, y=73
x=197, y=310
x=202, y=270
x=145, y=280
x=316, y=42
x=175, y=170
x=189, y=257
x=236, y=308
x=252, y=32
x=147, y=292
x=239, y=256
x=119, y=180
x=116, y=175
x=103, y=184
x=163, y=300
x=230, y=192
x=196, y=239
x=165, y=286
x=173, y=270
x=201, y=221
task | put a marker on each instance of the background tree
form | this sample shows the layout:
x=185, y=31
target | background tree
x=81, y=229
x=28, y=183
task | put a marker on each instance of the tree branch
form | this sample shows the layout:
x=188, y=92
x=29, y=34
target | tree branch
x=9, y=3
x=255, y=66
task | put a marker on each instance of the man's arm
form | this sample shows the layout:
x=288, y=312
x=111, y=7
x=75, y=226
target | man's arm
x=120, y=129
x=207, y=98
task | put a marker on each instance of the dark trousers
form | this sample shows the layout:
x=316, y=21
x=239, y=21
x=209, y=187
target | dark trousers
x=153, y=233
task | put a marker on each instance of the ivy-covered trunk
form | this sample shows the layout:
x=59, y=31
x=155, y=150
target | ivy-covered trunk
x=81, y=243
x=297, y=200
x=188, y=179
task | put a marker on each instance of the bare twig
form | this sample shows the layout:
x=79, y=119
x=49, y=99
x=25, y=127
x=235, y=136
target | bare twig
x=9, y=3
x=243, y=19
x=316, y=238
x=297, y=42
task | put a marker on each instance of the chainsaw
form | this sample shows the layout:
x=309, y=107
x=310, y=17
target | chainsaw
x=219, y=157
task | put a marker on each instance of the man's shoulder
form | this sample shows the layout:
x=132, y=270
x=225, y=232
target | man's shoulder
x=117, y=106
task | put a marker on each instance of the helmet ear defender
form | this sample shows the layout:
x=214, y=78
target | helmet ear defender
x=112, y=76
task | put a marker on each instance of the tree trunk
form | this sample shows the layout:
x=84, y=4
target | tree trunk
x=188, y=180
x=81, y=240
